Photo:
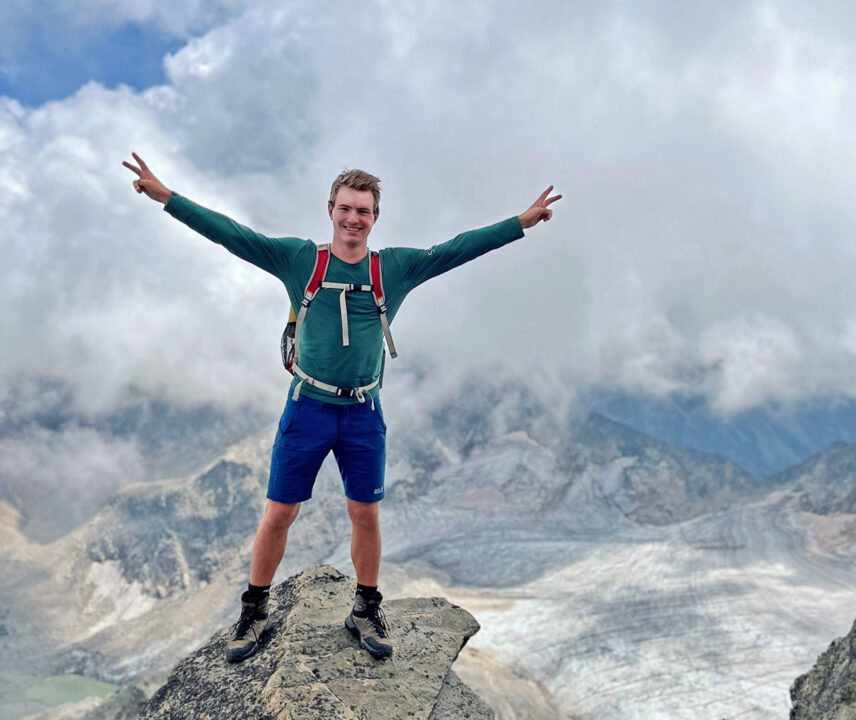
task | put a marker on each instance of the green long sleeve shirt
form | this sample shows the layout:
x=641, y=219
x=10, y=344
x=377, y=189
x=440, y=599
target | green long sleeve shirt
x=291, y=259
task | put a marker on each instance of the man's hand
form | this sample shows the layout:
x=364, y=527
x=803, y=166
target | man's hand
x=148, y=183
x=539, y=210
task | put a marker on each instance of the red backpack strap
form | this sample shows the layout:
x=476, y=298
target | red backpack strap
x=376, y=278
x=322, y=261
x=319, y=272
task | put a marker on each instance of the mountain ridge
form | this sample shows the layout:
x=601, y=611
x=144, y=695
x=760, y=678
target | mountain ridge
x=509, y=507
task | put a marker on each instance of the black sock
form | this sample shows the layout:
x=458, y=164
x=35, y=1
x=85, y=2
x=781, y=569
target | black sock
x=367, y=591
x=257, y=592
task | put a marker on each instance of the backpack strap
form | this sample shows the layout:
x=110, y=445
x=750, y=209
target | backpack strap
x=380, y=300
x=322, y=261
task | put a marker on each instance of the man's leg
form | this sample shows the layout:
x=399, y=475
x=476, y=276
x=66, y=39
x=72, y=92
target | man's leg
x=366, y=620
x=269, y=545
x=365, y=540
x=361, y=453
x=268, y=550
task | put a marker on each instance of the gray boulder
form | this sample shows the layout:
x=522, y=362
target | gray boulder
x=309, y=666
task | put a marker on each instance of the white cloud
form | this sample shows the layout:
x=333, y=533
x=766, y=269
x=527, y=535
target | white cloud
x=704, y=237
x=756, y=359
x=60, y=478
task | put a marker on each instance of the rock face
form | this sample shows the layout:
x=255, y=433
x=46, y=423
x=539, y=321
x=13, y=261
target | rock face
x=658, y=483
x=309, y=666
x=828, y=690
x=825, y=484
x=167, y=536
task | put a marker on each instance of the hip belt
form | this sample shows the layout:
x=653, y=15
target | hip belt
x=356, y=392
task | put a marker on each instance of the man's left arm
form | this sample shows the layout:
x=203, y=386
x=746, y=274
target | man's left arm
x=417, y=266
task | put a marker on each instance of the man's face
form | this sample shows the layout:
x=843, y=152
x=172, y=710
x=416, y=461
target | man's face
x=353, y=216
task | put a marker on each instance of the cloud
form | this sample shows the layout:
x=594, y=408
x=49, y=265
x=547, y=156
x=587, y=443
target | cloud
x=49, y=48
x=60, y=478
x=703, y=242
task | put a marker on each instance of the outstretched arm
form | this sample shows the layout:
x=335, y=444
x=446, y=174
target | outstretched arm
x=146, y=182
x=273, y=255
x=417, y=266
x=539, y=210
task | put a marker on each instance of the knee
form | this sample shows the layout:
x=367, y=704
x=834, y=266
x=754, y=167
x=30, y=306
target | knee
x=278, y=516
x=364, y=515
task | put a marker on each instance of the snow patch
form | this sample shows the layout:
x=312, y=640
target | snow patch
x=129, y=600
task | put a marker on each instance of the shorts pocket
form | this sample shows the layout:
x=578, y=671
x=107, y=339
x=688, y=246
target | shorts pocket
x=288, y=416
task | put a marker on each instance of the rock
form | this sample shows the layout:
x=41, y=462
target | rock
x=309, y=666
x=828, y=690
x=457, y=702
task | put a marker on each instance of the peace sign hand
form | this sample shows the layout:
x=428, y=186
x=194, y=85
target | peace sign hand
x=146, y=182
x=539, y=211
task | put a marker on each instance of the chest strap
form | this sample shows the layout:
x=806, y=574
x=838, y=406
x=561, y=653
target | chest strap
x=343, y=307
x=317, y=281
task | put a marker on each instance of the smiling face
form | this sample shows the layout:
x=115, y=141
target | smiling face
x=353, y=216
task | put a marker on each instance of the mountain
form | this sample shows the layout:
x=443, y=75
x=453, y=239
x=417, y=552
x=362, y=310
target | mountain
x=763, y=440
x=59, y=466
x=610, y=571
x=499, y=512
x=825, y=484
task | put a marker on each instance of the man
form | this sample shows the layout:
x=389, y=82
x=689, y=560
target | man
x=333, y=403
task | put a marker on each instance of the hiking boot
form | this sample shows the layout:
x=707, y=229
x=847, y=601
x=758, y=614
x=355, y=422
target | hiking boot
x=367, y=623
x=251, y=625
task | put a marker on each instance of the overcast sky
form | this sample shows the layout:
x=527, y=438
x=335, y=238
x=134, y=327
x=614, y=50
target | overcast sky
x=705, y=151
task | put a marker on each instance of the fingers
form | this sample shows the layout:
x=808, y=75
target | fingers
x=540, y=197
x=140, y=160
x=132, y=168
x=552, y=199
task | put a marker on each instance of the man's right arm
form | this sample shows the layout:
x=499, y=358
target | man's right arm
x=272, y=255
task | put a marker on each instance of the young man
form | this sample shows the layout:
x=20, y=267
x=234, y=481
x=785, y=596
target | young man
x=333, y=402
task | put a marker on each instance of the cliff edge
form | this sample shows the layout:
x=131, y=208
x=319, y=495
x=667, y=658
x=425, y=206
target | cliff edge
x=309, y=666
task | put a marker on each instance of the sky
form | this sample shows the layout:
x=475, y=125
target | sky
x=705, y=151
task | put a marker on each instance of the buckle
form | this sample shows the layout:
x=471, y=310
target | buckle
x=346, y=392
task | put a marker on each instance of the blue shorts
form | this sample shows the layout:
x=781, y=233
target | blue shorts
x=309, y=429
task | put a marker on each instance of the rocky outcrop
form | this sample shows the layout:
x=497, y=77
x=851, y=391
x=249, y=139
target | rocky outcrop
x=825, y=484
x=309, y=666
x=168, y=535
x=828, y=690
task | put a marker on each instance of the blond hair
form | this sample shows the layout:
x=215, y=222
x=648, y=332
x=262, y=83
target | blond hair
x=357, y=180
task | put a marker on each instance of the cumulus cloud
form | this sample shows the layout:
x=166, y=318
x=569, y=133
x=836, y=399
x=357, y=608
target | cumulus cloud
x=703, y=242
